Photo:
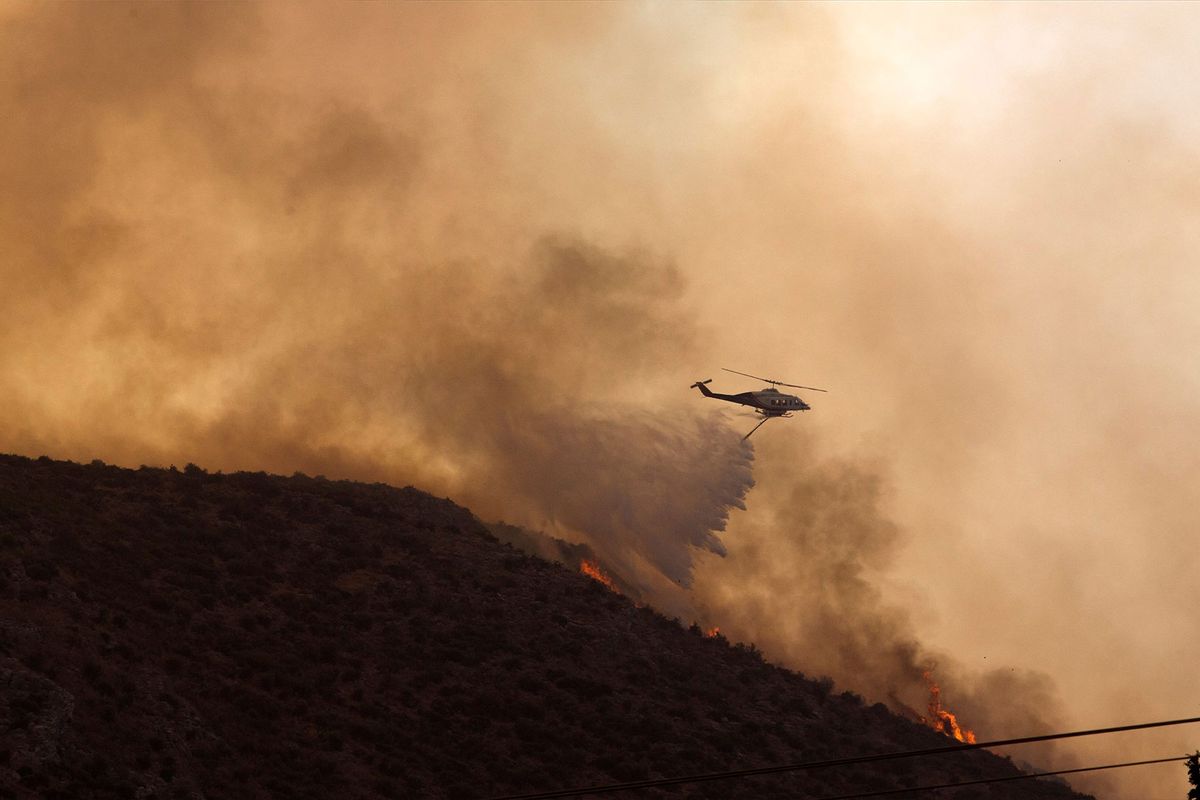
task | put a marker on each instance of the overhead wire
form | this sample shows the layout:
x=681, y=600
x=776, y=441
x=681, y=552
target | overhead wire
x=1022, y=777
x=650, y=783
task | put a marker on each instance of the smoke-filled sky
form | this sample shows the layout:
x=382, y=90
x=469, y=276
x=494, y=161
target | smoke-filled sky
x=484, y=249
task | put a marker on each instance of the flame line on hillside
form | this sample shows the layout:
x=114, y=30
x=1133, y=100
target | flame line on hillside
x=941, y=719
x=592, y=570
x=838, y=762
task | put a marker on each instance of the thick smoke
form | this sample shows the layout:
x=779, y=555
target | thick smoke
x=806, y=583
x=250, y=325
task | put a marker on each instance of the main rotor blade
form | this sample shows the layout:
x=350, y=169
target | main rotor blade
x=777, y=383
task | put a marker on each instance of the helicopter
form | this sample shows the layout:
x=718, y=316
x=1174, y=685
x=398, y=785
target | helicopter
x=770, y=402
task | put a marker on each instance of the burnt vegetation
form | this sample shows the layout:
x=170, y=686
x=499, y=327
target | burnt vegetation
x=177, y=633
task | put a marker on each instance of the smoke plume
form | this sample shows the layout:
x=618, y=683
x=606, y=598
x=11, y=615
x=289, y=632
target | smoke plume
x=807, y=583
x=244, y=313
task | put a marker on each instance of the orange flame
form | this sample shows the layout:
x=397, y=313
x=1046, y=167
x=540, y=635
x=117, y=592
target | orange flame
x=711, y=632
x=940, y=719
x=593, y=571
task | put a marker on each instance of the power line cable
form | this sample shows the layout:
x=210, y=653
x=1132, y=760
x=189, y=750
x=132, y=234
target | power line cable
x=837, y=762
x=1027, y=776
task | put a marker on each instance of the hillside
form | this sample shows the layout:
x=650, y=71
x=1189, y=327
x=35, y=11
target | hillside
x=173, y=633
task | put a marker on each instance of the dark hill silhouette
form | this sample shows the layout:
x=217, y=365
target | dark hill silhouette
x=173, y=633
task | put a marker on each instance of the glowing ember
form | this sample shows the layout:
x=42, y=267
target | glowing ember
x=711, y=632
x=939, y=718
x=593, y=571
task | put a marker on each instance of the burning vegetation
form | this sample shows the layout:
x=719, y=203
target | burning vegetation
x=941, y=719
x=593, y=571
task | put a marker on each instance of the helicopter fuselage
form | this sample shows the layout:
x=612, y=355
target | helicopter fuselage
x=769, y=402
